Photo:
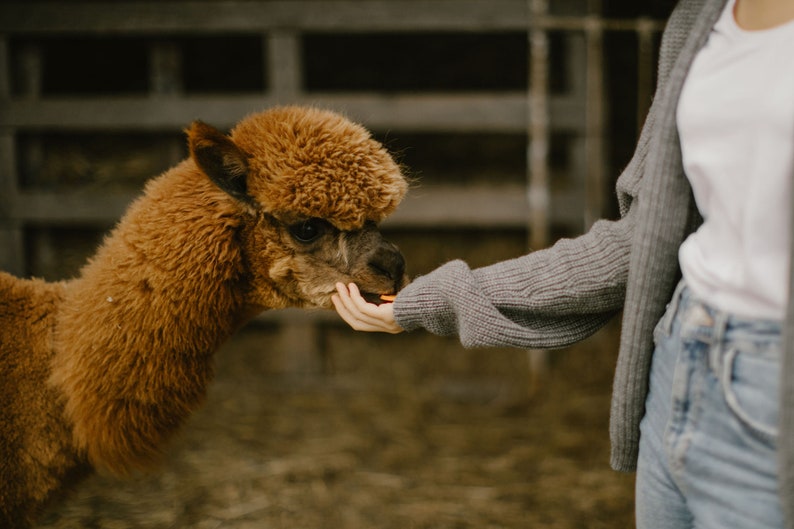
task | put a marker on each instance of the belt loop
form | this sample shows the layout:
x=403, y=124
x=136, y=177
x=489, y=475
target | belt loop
x=718, y=330
x=672, y=307
x=720, y=325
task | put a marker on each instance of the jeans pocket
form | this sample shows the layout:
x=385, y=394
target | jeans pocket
x=750, y=383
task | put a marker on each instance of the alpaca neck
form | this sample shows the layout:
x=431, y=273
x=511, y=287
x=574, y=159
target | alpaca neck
x=139, y=326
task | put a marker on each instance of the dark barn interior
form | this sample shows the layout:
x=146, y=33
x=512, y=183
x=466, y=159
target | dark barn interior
x=309, y=424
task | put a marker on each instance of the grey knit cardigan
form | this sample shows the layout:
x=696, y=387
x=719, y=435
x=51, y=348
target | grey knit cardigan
x=557, y=296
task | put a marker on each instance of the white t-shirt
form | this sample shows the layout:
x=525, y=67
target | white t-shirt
x=736, y=124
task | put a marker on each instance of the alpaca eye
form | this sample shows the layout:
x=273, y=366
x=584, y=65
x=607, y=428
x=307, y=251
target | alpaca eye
x=308, y=230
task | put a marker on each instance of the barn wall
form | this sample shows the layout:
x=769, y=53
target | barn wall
x=510, y=116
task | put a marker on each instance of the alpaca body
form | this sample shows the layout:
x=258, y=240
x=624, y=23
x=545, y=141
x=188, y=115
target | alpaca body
x=134, y=346
x=98, y=372
x=36, y=453
x=136, y=331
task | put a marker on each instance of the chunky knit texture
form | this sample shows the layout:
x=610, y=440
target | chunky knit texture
x=557, y=296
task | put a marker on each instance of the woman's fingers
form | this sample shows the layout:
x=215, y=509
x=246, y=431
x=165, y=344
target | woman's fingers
x=361, y=315
x=346, y=309
x=353, y=309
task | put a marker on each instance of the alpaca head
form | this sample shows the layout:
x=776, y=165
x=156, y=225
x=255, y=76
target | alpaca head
x=312, y=187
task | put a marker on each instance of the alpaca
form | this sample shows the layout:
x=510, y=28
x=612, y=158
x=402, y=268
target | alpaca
x=96, y=373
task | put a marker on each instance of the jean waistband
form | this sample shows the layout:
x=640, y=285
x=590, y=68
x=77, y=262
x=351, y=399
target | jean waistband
x=711, y=324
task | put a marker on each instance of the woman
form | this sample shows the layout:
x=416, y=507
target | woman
x=703, y=400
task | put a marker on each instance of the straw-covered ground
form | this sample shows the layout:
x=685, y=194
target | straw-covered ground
x=407, y=431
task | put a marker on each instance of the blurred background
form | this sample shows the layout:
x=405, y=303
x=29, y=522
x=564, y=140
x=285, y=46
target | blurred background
x=513, y=118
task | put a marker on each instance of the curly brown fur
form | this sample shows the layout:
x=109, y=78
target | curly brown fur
x=98, y=372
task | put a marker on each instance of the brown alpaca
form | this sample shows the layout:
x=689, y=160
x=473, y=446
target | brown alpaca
x=99, y=371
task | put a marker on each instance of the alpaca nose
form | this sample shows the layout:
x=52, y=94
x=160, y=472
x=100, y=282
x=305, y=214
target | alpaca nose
x=389, y=262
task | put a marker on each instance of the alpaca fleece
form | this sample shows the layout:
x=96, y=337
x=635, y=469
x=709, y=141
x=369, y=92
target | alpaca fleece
x=99, y=371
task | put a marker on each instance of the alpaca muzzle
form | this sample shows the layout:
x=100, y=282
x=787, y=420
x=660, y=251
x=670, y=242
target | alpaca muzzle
x=389, y=262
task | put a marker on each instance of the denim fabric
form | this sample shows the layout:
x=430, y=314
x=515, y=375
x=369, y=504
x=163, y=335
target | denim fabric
x=708, y=444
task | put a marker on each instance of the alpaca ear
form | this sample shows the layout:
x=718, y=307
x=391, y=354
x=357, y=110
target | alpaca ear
x=220, y=159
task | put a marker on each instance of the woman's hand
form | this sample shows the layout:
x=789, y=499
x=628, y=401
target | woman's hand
x=360, y=314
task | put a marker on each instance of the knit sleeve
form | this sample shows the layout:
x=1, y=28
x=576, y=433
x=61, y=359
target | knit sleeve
x=548, y=298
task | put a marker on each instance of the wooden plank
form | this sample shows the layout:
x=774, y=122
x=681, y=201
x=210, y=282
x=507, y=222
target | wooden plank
x=8, y=178
x=453, y=206
x=300, y=344
x=12, y=255
x=645, y=69
x=595, y=116
x=539, y=133
x=12, y=244
x=488, y=112
x=144, y=17
x=284, y=65
x=76, y=207
x=165, y=65
x=240, y=16
x=5, y=69
x=483, y=206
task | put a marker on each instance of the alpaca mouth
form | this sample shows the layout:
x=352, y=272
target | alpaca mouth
x=372, y=298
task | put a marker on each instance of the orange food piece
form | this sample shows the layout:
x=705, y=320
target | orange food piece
x=388, y=297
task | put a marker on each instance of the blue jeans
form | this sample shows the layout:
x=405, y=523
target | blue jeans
x=708, y=441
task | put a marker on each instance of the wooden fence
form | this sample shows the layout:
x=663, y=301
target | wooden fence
x=30, y=33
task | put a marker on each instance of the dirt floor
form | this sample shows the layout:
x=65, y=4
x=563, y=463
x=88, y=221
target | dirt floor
x=407, y=431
